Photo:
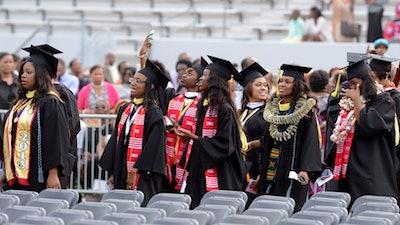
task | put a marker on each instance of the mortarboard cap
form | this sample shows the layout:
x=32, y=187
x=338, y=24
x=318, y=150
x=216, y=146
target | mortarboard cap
x=154, y=74
x=358, y=69
x=223, y=67
x=250, y=73
x=43, y=55
x=200, y=67
x=297, y=72
x=381, y=63
x=355, y=57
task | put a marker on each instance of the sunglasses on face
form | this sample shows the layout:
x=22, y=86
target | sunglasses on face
x=101, y=107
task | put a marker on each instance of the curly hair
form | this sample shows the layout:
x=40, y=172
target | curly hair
x=318, y=80
x=43, y=84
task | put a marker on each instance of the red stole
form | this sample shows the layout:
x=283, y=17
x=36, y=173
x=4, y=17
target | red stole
x=135, y=143
x=210, y=126
x=185, y=116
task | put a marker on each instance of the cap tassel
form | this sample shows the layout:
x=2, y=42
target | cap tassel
x=277, y=83
x=336, y=92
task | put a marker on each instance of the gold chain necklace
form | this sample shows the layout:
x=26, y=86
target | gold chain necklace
x=271, y=115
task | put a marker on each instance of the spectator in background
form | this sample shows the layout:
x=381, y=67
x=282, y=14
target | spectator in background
x=70, y=81
x=342, y=10
x=296, y=27
x=317, y=27
x=76, y=69
x=97, y=89
x=375, y=14
x=111, y=71
x=124, y=89
x=174, y=74
x=121, y=69
x=391, y=30
x=8, y=80
x=380, y=47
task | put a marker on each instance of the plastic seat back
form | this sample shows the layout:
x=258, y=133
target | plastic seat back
x=219, y=211
x=98, y=209
x=125, y=218
x=169, y=207
x=24, y=196
x=246, y=219
x=124, y=194
x=71, y=196
x=17, y=211
x=203, y=217
x=40, y=220
x=71, y=215
x=49, y=204
x=150, y=214
x=273, y=215
x=175, y=197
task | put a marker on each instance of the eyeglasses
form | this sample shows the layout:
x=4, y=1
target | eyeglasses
x=137, y=80
x=100, y=106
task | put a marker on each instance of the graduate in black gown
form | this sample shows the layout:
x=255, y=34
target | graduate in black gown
x=213, y=157
x=291, y=142
x=135, y=153
x=372, y=161
x=255, y=94
x=36, y=139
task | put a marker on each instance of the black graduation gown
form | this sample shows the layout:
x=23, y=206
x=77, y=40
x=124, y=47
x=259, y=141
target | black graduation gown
x=222, y=151
x=254, y=128
x=372, y=160
x=332, y=113
x=151, y=162
x=395, y=94
x=54, y=142
x=307, y=157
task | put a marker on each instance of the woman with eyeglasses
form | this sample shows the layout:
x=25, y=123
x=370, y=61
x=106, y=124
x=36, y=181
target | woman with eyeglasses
x=97, y=89
x=135, y=153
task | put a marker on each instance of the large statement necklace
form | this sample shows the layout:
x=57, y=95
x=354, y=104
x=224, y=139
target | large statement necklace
x=271, y=115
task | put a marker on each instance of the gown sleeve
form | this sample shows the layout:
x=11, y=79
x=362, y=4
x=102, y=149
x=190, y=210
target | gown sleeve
x=310, y=156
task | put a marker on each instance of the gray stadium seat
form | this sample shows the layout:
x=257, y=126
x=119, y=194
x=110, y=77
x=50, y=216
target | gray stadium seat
x=297, y=221
x=24, y=196
x=324, y=201
x=287, y=200
x=175, y=221
x=366, y=220
x=71, y=196
x=98, y=209
x=246, y=219
x=123, y=204
x=226, y=193
x=393, y=217
x=171, y=197
x=236, y=202
x=273, y=215
x=372, y=198
x=16, y=211
x=340, y=211
x=271, y=204
x=220, y=211
x=93, y=222
x=376, y=206
x=151, y=214
x=169, y=207
x=3, y=219
x=125, y=194
x=40, y=220
x=8, y=200
x=49, y=204
x=71, y=215
x=125, y=218
x=334, y=194
x=327, y=218
x=203, y=217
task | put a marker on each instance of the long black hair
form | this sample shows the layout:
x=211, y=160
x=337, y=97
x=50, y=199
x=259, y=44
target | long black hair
x=246, y=95
x=150, y=94
x=369, y=89
x=218, y=92
x=43, y=84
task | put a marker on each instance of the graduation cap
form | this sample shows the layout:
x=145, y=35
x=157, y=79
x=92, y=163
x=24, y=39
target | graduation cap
x=381, y=63
x=355, y=57
x=250, y=73
x=199, y=68
x=154, y=74
x=43, y=55
x=297, y=72
x=358, y=69
x=223, y=67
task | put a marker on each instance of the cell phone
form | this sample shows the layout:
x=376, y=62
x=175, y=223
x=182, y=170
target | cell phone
x=152, y=32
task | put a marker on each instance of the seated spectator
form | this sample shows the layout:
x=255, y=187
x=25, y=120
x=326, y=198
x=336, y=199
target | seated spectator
x=317, y=27
x=296, y=27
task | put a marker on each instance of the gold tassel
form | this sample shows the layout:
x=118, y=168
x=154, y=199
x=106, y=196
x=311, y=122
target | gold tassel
x=336, y=92
x=277, y=82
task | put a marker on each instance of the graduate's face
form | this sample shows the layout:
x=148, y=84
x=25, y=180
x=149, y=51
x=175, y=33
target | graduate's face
x=28, y=77
x=138, y=85
x=354, y=82
x=259, y=90
x=189, y=79
x=203, y=82
x=285, y=86
x=97, y=75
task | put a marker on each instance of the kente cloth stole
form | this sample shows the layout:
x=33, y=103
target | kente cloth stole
x=135, y=142
x=17, y=157
x=210, y=125
x=343, y=153
x=185, y=116
x=273, y=161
